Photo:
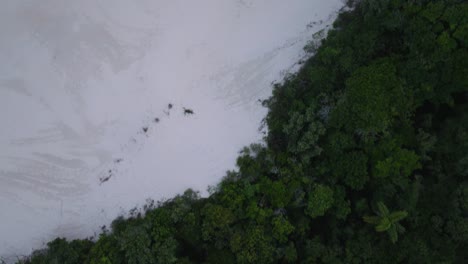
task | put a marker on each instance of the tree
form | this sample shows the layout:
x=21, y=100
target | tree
x=385, y=221
x=320, y=200
x=373, y=98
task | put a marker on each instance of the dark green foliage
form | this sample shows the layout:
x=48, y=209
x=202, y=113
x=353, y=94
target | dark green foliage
x=320, y=200
x=61, y=251
x=352, y=166
x=369, y=137
x=386, y=221
x=373, y=98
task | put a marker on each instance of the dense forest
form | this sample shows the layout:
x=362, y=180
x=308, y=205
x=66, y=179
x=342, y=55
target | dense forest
x=365, y=160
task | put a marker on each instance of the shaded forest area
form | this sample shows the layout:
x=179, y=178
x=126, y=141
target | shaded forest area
x=365, y=160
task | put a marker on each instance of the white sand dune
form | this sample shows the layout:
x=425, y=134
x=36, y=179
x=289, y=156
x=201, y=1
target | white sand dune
x=81, y=81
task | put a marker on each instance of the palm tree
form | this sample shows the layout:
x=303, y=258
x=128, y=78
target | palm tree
x=386, y=221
